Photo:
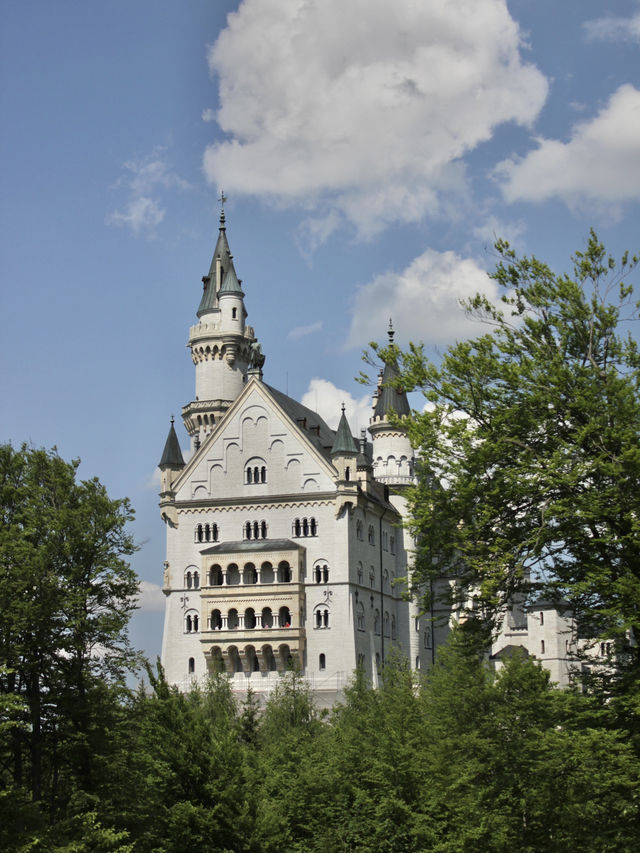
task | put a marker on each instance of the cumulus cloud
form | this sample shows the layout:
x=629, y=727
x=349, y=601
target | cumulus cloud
x=326, y=398
x=304, y=331
x=151, y=598
x=599, y=165
x=362, y=111
x=208, y=114
x=143, y=182
x=424, y=300
x=614, y=28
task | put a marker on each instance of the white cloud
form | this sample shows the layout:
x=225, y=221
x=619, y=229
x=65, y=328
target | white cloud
x=151, y=598
x=363, y=110
x=208, y=114
x=142, y=181
x=304, y=331
x=326, y=398
x=423, y=300
x=613, y=28
x=599, y=165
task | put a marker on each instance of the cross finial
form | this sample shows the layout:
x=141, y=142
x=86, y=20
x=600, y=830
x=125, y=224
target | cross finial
x=172, y=420
x=222, y=199
x=343, y=408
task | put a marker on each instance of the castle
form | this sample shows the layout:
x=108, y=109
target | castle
x=285, y=538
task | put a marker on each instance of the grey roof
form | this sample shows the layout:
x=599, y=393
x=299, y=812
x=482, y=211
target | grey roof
x=252, y=546
x=390, y=398
x=344, y=441
x=209, y=301
x=230, y=283
x=171, y=455
x=509, y=651
x=316, y=430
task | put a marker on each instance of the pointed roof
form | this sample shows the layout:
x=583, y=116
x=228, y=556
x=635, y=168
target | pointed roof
x=209, y=301
x=171, y=455
x=390, y=398
x=344, y=442
x=230, y=283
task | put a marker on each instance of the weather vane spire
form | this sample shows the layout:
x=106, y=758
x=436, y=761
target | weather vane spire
x=222, y=198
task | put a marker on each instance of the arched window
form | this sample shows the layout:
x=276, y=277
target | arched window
x=247, y=530
x=256, y=530
x=387, y=631
x=385, y=580
x=267, y=617
x=284, y=617
x=360, y=616
x=378, y=662
x=284, y=572
x=232, y=619
x=188, y=580
x=313, y=526
x=263, y=529
x=296, y=527
x=191, y=621
x=249, y=475
x=196, y=580
x=359, y=572
x=321, y=617
x=372, y=535
x=322, y=662
x=215, y=576
x=249, y=618
x=216, y=620
x=372, y=577
x=347, y=473
x=192, y=666
x=376, y=622
x=305, y=527
x=321, y=574
x=199, y=533
x=234, y=313
x=359, y=530
x=255, y=472
x=392, y=544
x=385, y=541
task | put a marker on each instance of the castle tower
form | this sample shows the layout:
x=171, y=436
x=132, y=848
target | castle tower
x=220, y=342
x=392, y=452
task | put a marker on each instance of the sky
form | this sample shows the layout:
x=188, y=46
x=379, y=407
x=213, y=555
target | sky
x=371, y=152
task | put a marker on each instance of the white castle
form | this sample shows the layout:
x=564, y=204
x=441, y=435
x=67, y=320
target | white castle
x=285, y=538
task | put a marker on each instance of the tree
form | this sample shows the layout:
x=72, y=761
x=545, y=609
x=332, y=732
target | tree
x=66, y=595
x=530, y=477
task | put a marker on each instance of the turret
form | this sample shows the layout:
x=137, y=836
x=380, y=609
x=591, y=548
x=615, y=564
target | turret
x=170, y=465
x=344, y=453
x=220, y=343
x=392, y=452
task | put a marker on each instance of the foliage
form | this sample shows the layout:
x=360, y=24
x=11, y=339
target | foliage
x=65, y=601
x=530, y=479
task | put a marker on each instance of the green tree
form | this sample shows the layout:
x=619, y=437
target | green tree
x=530, y=480
x=66, y=595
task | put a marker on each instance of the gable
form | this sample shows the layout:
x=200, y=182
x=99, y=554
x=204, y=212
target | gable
x=256, y=451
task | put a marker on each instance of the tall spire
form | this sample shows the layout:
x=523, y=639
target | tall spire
x=221, y=264
x=390, y=398
x=344, y=442
x=171, y=455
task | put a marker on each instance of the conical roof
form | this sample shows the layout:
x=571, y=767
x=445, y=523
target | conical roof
x=390, y=398
x=230, y=283
x=209, y=301
x=344, y=441
x=171, y=455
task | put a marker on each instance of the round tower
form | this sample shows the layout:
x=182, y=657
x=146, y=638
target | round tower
x=393, y=456
x=220, y=343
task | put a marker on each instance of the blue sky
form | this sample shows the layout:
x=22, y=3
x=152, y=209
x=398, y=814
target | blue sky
x=371, y=152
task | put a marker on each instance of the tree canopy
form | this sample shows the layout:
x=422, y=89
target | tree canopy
x=529, y=480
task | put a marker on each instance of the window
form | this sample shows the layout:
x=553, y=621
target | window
x=427, y=638
x=322, y=662
x=234, y=313
x=387, y=631
x=321, y=574
x=215, y=576
x=360, y=661
x=393, y=628
x=541, y=646
x=305, y=527
x=417, y=623
x=376, y=622
x=321, y=617
x=371, y=535
x=385, y=580
x=359, y=531
x=215, y=620
x=392, y=544
x=541, y=617
x=191, y=621
x=378, y=662
x=360, y=616
x=284, y=618
x=372, y=577
x=347, y=473
x=206, y=533
x=359, y=572
x=255, y=472
x=255, y=530
x=192, y=666
x=385, y=541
